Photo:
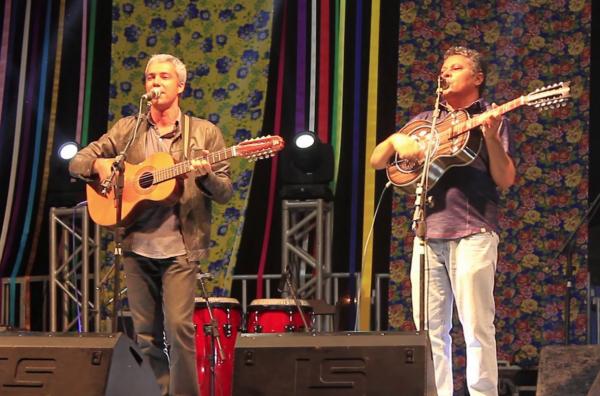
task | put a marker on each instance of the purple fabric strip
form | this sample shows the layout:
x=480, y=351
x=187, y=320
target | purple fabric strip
x=300, y=123
x=26, y=137
x=4, y=51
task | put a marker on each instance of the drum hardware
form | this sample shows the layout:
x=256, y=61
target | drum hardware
x=227, y=330
x=211, y=329
x=277, y=315
x=227, y=312
x=286, y=278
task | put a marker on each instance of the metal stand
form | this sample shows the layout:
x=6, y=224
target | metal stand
x=306, y=244
x=72, y=224
x=290, y=288
x=211, y=329
x=118, y=173
x=569, y=248
x=419, y=224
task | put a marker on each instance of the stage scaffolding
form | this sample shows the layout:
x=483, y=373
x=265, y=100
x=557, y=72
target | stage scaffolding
x=306, y=248
x=74, y=251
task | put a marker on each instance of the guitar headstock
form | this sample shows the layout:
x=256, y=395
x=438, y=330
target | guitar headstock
x=260, y=148
x=550, y=96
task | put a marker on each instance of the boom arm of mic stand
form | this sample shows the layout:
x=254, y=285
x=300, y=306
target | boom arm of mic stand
x=590, y=212
x=419, y=224
x=118, y=165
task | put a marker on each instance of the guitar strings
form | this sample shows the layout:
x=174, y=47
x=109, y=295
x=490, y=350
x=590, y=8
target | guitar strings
x=160, y=175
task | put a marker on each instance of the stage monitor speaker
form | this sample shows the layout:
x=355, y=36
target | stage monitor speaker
x=333, y=364
x=63, y=364
x=568, y=370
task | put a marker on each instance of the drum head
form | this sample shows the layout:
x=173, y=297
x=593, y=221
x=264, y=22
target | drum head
x=228, y=302
x=261, y=304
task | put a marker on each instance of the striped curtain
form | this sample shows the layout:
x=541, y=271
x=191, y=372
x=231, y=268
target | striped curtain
x=326, y=77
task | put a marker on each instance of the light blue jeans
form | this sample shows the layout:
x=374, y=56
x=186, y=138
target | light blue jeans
x=460, y=270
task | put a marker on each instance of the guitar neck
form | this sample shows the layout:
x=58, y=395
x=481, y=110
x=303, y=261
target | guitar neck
x=184, y=167
x=478, y=119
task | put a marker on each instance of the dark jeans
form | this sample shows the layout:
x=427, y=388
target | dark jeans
x=161, y=299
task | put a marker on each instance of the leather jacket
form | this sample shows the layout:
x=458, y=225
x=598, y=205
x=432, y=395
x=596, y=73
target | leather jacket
x=195, y=200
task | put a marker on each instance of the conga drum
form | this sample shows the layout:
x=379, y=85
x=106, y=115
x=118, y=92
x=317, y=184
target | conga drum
x=228, y=315
x=277, y=315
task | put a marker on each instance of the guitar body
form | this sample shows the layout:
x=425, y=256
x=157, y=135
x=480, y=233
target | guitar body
x=157, y=180
x=450, y=148
x=139, y=191
x=453, y=140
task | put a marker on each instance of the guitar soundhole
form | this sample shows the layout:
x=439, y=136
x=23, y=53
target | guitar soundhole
x=407, y=166
x=146, y=180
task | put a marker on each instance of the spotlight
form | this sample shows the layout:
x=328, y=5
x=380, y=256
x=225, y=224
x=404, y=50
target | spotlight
x=304, y=140
x=68, y=150
x=306, y=168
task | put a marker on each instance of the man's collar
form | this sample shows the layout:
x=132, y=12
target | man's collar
x=153, y=123
x=476, y=107
x=176, y=130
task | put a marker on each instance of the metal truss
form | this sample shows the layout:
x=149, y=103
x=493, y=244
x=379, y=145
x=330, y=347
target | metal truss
x=71, y=248
x=306, y=247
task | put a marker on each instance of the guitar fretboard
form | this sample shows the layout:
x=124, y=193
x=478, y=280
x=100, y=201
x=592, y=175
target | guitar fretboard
x=183, y=167
x=477, y=120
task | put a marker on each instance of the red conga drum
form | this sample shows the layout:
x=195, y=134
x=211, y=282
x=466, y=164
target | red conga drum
x=228, y=315
x=277, y=315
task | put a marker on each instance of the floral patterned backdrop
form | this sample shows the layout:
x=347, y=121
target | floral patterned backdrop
x=225, y=46
x=529, y=44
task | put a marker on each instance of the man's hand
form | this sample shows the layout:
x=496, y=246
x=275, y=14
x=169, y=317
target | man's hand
x=103, y=167
x=491, y=126
x=201, y=166
x=406, y=147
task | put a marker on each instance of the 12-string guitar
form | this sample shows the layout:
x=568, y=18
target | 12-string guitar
x=154, y=180
x=454, y=143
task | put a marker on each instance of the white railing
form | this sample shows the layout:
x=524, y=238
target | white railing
x=240, y=287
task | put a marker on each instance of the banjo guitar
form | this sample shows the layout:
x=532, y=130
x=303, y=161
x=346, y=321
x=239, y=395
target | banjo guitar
x=454, y=143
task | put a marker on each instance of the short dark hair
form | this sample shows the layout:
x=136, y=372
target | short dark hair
x=479, y=63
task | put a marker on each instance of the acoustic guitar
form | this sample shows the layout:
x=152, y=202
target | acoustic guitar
x=155, y=180
x=453, y=143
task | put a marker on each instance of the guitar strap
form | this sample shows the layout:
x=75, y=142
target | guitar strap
x=186, y=135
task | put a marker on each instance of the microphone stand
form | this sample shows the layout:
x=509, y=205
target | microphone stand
x=118, y=171
x=286, y=276
x=211, y=329
x=569, y=248
x=419, y=225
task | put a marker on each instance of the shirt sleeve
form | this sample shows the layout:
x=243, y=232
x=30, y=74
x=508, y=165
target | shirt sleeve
x=106, y=146
x=216, y=185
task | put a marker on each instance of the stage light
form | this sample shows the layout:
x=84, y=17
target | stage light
x=306, y=168
x=68, y=150
x=304, y=140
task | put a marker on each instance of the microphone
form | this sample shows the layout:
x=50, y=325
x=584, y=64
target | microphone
x=154, y=93
x=444, y=84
